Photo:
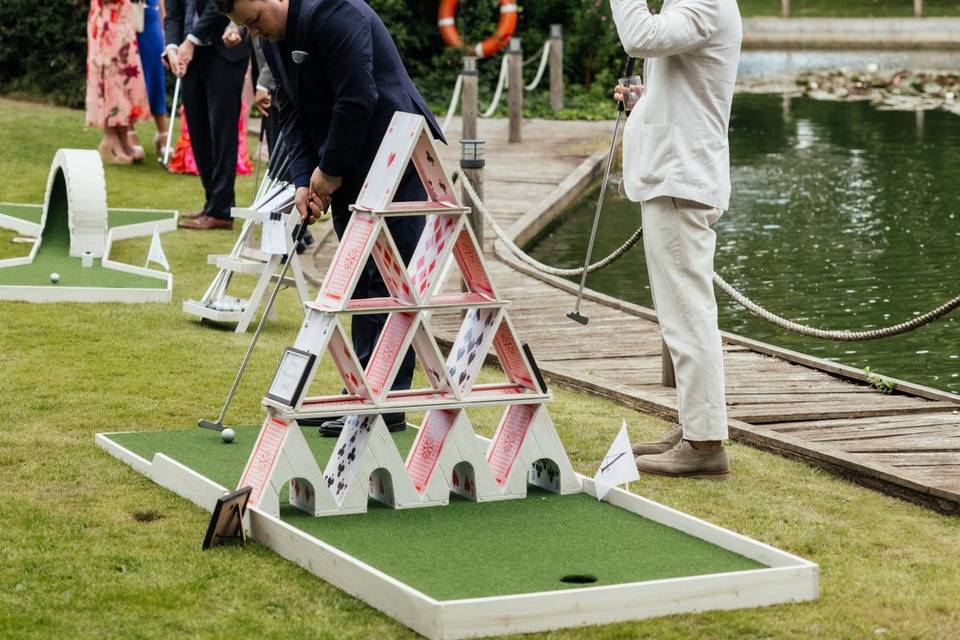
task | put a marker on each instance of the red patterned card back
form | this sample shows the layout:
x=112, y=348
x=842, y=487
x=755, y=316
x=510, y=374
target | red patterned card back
x=264, y=457
x=508, y=440
x=350, y=256
x=512, y=360
x=389, y=350
x=471, y=265
x=426, y=449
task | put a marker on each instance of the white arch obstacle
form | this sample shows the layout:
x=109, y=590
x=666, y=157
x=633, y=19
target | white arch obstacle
x=72, y=234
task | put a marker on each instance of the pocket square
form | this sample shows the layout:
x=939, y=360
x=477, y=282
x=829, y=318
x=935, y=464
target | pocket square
x=298, y=56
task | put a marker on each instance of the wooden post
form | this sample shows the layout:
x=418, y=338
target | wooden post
x=918, y=8
x=785, y=8
x=668, y=376
x=469, y=98
x=515, y=92
x=556, y=67
x=472, y=163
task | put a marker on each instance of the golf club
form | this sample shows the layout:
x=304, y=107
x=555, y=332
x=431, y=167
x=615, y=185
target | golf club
x=256, y=175
x=621, y=109
x=173, y=119
x=218, y=424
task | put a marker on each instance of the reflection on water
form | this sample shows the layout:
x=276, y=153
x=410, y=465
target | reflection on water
x=764, y=63
x=842, y=217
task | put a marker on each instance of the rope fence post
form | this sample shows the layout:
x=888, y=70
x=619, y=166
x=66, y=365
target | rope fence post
x=469, y=109
x=515, y=90
x=918, y=8
x=471, y=164
x=556, y=66
x=785, y=8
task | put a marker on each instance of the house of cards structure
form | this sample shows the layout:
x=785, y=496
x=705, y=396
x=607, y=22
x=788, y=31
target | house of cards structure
x=446, y=456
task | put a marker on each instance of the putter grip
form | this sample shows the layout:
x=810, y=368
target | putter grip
x=627, y=71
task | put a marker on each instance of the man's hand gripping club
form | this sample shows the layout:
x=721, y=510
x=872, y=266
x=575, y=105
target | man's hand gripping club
x=314, y=200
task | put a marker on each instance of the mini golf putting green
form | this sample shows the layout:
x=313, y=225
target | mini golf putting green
x=54, y=253
x=468, y=549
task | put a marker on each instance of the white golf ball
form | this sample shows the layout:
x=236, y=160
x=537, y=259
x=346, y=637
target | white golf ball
x=54, y=277
x=227, y=435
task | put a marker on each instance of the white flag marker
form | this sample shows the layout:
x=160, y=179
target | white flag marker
x=156, y=253
x=618, y=465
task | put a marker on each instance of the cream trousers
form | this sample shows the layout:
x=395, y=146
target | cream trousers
x=679, y=246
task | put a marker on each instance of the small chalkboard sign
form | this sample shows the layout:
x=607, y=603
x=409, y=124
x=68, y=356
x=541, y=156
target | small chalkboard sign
x=291, y=376
x=226, y=524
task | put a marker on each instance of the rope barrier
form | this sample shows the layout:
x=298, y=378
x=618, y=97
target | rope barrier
x=543, y=65
x=501, y=83
x=842, y=335
x=454, y=100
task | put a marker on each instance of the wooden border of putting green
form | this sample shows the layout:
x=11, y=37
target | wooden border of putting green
x=787, y=578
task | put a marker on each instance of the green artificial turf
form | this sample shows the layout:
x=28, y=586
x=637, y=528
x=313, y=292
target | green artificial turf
x=29, y=212
x=469, y=549
x=54, y=255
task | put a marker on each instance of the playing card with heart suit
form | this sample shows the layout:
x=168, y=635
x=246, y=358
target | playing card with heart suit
x=352, y=444
x=394, y=272
x=391, y=161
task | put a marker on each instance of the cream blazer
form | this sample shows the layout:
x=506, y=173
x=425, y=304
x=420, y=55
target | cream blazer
x=675, y=140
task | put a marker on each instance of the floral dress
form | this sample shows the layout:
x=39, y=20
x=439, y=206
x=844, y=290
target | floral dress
x=116, y=92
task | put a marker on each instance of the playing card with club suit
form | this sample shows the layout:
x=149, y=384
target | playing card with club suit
x=351, y=445
x=435, y=180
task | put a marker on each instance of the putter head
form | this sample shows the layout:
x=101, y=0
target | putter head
x=576, y=317
x=213, y=426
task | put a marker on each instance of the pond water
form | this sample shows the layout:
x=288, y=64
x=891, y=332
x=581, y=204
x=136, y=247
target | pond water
x=842, y=217
x=761, y=62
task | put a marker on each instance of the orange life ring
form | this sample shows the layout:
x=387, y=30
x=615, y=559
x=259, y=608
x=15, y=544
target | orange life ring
x=448, y=28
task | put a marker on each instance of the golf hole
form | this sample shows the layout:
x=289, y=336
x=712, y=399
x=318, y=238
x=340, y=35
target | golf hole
x=578, y=578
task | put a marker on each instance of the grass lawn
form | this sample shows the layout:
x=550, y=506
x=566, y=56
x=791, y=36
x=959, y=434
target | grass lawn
x=91, y=549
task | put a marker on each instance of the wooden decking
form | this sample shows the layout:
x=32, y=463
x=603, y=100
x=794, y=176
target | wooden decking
x=907, y=444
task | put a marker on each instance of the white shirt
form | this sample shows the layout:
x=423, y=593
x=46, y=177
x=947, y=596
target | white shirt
x=675, y=140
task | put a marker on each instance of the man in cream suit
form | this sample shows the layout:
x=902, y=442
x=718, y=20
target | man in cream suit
x=676, y=163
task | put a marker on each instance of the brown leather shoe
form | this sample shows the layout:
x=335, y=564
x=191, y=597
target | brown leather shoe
x=684, y=460
x=206, y=222
x=667, y=442
x=191, y=215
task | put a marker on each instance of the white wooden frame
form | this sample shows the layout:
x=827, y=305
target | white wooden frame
x=786, y=578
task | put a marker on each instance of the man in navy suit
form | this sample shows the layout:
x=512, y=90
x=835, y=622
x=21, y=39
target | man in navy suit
x=342, y=80
x=212, y=82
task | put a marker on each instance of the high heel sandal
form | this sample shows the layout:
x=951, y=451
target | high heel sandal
x=134, y=142
x=109, y=155
x=160, y=143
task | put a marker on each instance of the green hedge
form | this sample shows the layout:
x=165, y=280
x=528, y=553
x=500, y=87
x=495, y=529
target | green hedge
x=43, y=44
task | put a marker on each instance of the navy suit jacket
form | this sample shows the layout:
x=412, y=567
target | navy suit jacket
x=208, y=27
x=342, y=80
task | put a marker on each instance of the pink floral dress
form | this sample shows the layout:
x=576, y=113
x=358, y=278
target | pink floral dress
x=116, y=92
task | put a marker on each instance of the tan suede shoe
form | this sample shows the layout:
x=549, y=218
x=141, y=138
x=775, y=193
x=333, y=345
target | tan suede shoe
x=684, y=460
x=669, y=440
